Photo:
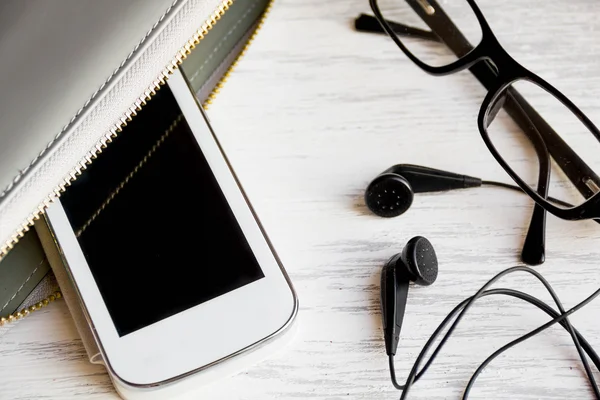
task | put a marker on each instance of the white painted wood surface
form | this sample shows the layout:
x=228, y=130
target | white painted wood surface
x=313, y=112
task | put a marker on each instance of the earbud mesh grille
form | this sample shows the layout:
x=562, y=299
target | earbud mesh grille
x=427, y=262
x=388, y=196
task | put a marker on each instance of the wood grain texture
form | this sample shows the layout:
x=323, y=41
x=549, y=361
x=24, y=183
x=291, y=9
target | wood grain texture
x=312, y=113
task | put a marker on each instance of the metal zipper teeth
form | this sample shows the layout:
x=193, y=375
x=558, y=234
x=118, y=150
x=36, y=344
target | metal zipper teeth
x=17, y=315
x=213, y=94
x=132, y=112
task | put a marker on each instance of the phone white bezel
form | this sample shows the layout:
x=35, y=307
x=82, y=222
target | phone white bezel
x=179, y=345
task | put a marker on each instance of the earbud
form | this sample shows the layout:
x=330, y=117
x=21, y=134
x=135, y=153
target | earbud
x=417, y=263
x=392, y=192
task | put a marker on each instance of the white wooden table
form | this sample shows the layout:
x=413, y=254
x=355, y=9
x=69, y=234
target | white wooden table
x=313, y=112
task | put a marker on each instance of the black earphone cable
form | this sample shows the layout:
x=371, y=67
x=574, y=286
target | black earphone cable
x=562, y=317
x=468, y=304
x=580, y=343
x=569, y=327
x=587, y=347
x=518, y=189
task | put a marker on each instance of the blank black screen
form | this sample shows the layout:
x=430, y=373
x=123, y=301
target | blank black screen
x=167, y=240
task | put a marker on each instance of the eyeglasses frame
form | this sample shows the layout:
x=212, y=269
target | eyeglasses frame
x=508, y=70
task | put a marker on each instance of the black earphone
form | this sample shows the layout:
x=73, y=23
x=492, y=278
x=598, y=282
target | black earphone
x=391, y=193
x=418, y=263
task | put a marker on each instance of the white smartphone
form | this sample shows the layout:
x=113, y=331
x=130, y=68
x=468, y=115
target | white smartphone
x=172, y=267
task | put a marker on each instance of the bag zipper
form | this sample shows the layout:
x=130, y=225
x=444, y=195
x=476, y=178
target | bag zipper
x=173, y=65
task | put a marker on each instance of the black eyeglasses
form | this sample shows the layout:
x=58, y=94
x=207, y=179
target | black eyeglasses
x=521, y=138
